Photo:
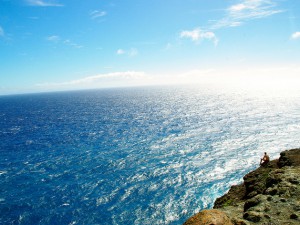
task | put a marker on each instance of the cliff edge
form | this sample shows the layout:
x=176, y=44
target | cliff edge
x=269, y=195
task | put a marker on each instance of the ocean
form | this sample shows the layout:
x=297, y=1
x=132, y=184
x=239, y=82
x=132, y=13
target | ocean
x=147, y=155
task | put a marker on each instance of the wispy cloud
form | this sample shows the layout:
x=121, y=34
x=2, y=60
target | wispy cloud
x=198, y=35
x=58, y=39
x=1, y=32
x=128, y=75
x=234, y=16
x=246, y=10
x=131, y=52
x=120, y=52
x=53, y=38
x=72, y=44
x=295, y=35
x=117, y=78
x=96, y=14
x=43, y=3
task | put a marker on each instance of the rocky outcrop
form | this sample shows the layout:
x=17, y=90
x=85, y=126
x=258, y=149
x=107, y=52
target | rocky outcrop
x=209, y=217
x=268, y=195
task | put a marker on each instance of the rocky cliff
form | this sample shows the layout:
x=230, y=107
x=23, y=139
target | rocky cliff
x=269, y=195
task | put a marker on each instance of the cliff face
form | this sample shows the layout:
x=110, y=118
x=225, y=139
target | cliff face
x=268, y=195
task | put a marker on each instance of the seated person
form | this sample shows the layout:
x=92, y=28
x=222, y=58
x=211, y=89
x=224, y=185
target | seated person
x=264, y=160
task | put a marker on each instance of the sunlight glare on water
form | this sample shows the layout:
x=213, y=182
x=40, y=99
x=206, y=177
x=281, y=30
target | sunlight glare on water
x=131, y=156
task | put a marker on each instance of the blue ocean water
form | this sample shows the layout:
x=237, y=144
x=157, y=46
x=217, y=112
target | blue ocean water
x=153, y=155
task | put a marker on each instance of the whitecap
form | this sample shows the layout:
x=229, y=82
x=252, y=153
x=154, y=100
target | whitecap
x=102, y=200
x=153, y=187
x=107, y=198
x=65, y=204
x=21, y=217
x=138, y=177
x=15, y=129
x=175, y=165
x=3, y=172
x=128, y=192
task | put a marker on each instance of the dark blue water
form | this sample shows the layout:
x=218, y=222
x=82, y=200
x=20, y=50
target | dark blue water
x=133, y=156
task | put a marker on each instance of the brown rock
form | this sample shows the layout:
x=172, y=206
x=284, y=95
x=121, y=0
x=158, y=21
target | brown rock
x=289, y=158
x=209, y=217
x=239, y=222
x=252, y=216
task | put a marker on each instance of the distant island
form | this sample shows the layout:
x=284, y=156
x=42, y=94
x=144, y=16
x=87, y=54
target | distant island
x=268, y=195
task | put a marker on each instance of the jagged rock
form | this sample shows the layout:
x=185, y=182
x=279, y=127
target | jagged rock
x=293, y=181
x=239, y=222
x=255, y=181
x=289, y=158
x=252, y=202
x=271, y=191
x=273, y=178
x=235, y=194
x=253, y=216
x=209, y=217
x=268, y=195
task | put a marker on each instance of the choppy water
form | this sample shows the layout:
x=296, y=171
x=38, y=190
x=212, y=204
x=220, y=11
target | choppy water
x=133, y=156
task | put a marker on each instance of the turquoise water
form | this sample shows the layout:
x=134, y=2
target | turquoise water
x=153, y=155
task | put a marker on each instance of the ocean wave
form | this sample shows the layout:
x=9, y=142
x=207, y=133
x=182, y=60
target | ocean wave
x=133, y=157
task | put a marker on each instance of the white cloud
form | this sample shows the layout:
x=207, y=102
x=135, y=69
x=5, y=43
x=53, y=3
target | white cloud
x=264, y=78
x=197, y=35
x=235, y=24
x=295, y=35
x=1, y=32
x=43, y=3
x=246, y=10
x=72, y=44
x=128, y=75
x=95, y=14
x=131, y=52
x=253, y=9
x=235, y=15
x=248, y=5
x=115, y=79
x=238, y=7
x=53, y=38
x=57, y=39
x=120, y=52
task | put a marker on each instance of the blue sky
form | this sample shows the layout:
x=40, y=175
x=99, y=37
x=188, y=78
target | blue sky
x=49, y=45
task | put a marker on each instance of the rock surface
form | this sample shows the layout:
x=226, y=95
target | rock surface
x=209, y=217
x=270, y=195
